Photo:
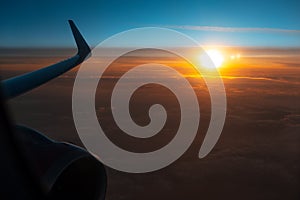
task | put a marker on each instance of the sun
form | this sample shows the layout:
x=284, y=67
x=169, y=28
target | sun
x=211, y=58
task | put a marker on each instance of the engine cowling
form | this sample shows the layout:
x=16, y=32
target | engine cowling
x=65, y=171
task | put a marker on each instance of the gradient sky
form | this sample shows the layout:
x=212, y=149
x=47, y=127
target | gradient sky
x=34, y=23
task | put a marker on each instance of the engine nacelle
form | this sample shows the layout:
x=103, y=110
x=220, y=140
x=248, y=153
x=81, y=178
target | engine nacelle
x=65, y=171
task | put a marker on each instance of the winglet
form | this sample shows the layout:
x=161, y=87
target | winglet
x=83, y=48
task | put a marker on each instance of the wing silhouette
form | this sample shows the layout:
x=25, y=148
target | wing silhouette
x=18, y=85
x=62, y=170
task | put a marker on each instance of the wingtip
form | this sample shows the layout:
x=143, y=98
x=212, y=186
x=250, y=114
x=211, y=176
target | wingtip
x=83, y=48
x=71, y=22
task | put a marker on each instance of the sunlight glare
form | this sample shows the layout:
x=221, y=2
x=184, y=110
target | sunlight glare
x=212, y=59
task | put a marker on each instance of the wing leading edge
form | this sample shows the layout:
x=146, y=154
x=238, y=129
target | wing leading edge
x=18, y=85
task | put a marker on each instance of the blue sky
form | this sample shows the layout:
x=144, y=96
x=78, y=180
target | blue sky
x=35, y=23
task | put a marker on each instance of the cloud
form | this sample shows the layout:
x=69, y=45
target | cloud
x=234, y=29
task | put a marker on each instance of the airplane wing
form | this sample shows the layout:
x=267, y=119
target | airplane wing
x=18, y=85
x=36, y=166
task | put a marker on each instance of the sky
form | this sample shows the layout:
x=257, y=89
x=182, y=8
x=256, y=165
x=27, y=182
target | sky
x=34, y=23
x=257, y=156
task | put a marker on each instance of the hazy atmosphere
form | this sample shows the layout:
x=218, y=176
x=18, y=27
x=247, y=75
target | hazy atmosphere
x=254, y=45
